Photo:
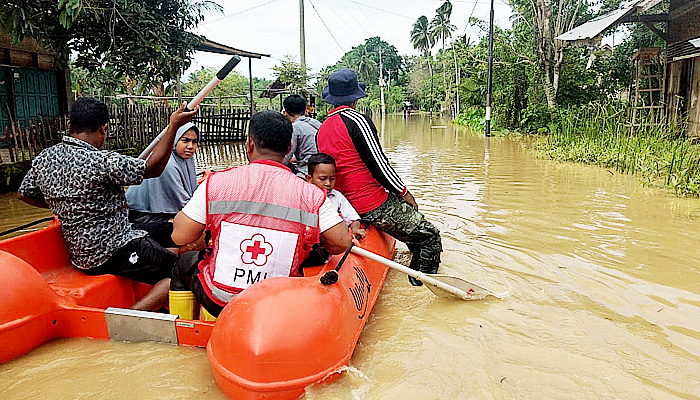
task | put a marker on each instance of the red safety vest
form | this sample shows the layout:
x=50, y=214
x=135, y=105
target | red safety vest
x=263, y=220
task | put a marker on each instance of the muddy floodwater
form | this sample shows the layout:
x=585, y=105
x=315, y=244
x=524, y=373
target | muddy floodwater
x=603, y=277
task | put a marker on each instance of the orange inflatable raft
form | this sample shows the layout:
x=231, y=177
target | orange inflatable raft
x=272, y=341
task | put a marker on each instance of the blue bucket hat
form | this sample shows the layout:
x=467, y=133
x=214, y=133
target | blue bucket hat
x=343, y=87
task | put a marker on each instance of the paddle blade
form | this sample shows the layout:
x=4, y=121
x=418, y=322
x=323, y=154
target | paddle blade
x=471, y=291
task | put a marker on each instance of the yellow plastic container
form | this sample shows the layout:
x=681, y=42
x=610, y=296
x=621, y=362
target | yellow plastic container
x=183, y=303
x=205, y=316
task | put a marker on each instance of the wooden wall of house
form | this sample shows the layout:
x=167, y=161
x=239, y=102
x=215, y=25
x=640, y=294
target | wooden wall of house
x=27, y=53
x=683, y=25
x=683, y=68
x=693, y=103
x=674, y=97
x=33, y=82
x=683, y=94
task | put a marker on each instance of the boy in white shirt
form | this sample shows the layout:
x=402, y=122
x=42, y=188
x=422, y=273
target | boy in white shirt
x=322, y=174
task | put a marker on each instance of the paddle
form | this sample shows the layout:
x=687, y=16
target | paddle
x=441, y=285
x=223, y=72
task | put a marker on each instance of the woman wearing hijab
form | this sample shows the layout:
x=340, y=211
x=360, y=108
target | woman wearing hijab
x=159, y=199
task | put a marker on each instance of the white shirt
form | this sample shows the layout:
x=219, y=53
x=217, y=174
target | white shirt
x=196, y=209
x=343, y=207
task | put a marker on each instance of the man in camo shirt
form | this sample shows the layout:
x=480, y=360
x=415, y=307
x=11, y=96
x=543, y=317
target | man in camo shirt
x=84, y=187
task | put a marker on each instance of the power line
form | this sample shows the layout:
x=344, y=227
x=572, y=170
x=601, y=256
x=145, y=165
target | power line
x=368, y=20
x=468, y=19
x=348, y=25
x=485, y=2
x=353, y=17
x=324, y=24
x=379, y=9
x=239, y=13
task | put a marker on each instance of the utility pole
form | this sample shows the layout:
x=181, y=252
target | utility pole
x=302, y=40
x=489, y=75
x=457, y=80
x=381, y=82
x=178, y=86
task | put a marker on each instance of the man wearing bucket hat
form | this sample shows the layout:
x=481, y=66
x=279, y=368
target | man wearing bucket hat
x=366, y=178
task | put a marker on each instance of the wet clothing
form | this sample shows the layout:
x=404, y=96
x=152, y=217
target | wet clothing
x=365, y=177
x=397, y=218
x=84, y=187
x=363, y=172
x=303, y=144
x=263, y=220
x=169, y=192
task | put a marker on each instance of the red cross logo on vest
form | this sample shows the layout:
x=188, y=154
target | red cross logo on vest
x=255, y=250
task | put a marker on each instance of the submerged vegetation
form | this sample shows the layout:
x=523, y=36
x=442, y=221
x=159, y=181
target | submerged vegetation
x=600, y=134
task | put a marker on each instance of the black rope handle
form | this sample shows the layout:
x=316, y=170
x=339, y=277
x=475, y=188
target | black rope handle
x=25, y=226
x=331, y=277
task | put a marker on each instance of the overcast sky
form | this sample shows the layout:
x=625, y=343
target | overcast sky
x=272, y=27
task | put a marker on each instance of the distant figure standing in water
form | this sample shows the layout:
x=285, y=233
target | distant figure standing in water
x=366, y=178
x=159, y=199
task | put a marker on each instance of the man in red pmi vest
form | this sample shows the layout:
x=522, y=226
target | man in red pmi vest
x=365, y=177
x=263, y=220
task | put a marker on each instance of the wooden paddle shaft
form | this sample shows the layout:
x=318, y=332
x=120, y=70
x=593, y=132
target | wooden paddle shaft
x=411, y=272
x=223, y=72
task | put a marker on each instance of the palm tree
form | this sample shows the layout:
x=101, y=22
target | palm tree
x=422, y=40
x=441, y=28
x=366, y=66
x=445, y=8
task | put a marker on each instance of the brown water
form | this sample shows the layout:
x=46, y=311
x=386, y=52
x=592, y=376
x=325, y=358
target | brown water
x=603, y=277
x=14, y=213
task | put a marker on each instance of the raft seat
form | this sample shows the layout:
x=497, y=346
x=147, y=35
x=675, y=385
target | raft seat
x=46, y=251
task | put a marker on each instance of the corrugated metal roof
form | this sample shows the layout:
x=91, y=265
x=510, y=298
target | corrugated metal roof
x=211, y=46
x=592, y=30
x=278, y=87
x=681, y=50
x=274, y=89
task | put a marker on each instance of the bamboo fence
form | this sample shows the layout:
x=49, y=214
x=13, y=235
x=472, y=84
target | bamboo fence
x=130, y=126
x=19, y=143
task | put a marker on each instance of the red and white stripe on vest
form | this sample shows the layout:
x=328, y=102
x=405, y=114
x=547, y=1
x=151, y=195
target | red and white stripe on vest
x=263, y=220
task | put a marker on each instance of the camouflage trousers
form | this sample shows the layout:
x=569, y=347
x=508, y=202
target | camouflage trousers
x=397, y=218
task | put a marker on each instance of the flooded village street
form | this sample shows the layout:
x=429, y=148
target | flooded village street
x=603, y=277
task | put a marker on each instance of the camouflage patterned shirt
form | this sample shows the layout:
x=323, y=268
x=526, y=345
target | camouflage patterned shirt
x=83, y=186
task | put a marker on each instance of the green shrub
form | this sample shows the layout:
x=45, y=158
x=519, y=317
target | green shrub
x=600, y=134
